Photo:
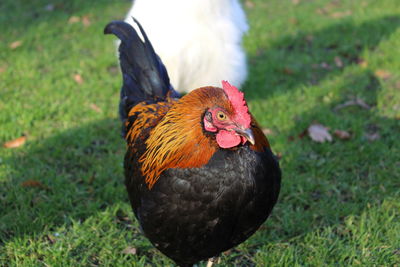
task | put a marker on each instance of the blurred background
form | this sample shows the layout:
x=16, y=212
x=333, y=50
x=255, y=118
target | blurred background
x=323, y=82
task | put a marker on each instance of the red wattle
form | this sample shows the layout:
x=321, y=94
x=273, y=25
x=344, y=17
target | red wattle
x=226, y=139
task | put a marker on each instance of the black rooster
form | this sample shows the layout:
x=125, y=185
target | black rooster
x=199, y=172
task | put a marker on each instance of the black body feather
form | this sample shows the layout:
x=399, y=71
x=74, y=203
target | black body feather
x=195, y=213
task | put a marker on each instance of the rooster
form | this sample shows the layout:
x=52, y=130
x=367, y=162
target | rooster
x=199, y=41
x=199, y=172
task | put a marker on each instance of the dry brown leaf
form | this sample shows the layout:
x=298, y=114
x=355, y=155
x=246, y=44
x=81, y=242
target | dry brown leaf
x=363, y=63
x=249, y=4
x=296, y=2
x=15, y=142
x=267, y=131
x=3, y=68
x=302, y=134
x=39, y=48
x=338, y=15
x=339, y=62
x=299, y=136
x=15, y=44
x=74, y=19
x=95, y=108
x=321, y=11
x=309, y=37
x=334, y=3
x=86, y=21
x=50, y=238
x=319, y=133
x=288, y=71
x=344, y=135
x=34, y=183
x=130, y=251
x=293, y=21
x=383, y=74
x=78, y=78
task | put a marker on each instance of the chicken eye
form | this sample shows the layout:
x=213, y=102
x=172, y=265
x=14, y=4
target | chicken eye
x=221, y=116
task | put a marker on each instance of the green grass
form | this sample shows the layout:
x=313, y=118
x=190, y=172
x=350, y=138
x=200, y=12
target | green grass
x=340, y=201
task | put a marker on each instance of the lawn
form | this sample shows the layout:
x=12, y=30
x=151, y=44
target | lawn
x=62, y=198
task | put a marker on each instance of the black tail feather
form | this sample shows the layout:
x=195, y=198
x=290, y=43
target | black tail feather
x=144, y=75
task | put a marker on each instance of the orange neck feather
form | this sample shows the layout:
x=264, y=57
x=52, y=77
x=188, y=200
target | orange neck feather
x=178, y=140
x=259, y=136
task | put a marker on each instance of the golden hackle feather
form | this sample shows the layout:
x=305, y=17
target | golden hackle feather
x=146, y=117
x=175, y=136
x=178, y=140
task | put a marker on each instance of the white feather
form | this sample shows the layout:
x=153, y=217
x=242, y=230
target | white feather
x=199, y=41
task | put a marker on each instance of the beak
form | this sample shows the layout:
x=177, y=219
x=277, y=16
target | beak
x=246, y=133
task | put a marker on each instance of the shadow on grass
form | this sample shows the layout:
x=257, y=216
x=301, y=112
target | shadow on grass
x=23, y=14
x=328, y=182
x=309, y=57
x=324, y=183
x=76, y=174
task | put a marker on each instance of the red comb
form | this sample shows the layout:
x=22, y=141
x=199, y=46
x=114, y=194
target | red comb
x=236, y=97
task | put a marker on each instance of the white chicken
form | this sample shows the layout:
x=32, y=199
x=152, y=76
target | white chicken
x=199, y=41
